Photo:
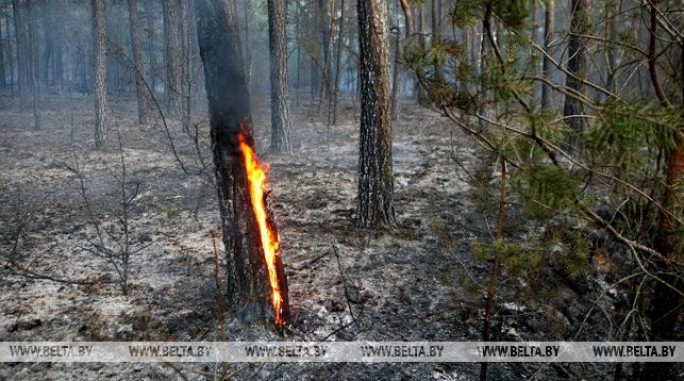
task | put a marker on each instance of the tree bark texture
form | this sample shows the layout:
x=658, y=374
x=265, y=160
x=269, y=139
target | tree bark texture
x=549, y=24
x=100, y=70
x=172, y=27
x=577, y=57
x=280, y=104
x=143, y=95
x=375, y=205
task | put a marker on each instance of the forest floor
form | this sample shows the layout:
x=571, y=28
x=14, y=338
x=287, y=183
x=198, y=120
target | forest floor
x=402, y=284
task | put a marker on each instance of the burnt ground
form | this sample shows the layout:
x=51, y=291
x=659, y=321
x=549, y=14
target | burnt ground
x=404, y=284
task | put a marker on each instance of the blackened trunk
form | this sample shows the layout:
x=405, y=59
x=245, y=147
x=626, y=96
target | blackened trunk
x=280, y=104
x=375, y=204
x=248, y=289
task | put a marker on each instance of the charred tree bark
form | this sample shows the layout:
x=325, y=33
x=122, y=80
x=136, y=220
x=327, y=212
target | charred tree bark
x=248, y=288
x=375, y=204
x=549, y=23
x=144, y=101
x=100, y=70
x=280, y=103
x=577, y=57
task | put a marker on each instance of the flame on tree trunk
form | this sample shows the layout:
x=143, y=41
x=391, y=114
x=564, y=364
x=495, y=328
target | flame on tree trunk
x=270, y=242
x=256, y=280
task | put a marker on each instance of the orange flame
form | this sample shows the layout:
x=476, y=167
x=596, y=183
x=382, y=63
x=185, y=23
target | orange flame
x=256, y=176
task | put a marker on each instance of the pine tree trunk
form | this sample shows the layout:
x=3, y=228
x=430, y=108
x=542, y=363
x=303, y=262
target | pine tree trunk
x=20, y=35
x=280, y=104
x=338, y=63
x=667, y=301
x=142, y=94
x=35, y=86
x=549, y=22
x=173, y=54
x=577, y=57
x=248, y=288
x=3, y=79
x=375, y=204
x=100, y=70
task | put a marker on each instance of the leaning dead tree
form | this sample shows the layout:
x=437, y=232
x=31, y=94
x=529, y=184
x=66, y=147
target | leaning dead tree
x=257, y=287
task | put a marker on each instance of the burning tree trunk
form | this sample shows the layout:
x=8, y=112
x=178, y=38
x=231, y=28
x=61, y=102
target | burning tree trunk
x=257, y=286
x=375, y=205
x=280, y=105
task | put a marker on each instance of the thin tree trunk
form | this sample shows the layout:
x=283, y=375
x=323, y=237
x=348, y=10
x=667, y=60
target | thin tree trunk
x=577, y=56
x=338, y=63
x=280, y=104
x=186, y=53
x=248, y=288
x=142, y=94
x=35, y=87
x=20, y=35
x=173, y=53
x=58, y=61
x=375, y=204
x=396, y=73
x=3, y=78
x=549, y=21
x=100, y=70
x=9, y=53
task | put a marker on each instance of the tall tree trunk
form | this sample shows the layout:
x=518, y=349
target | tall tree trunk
x=100, y=70
x=549, y=21
x=3, y=78
x=20, y=35
x=8, y=50
x=612, y=12
x=35, y=87
x=280, y=104
x=248, y=288
x=173, y=53
x=396, y=72
x=577, y=57
x=152, y=74
x=144, y=101
x=186, y=54
x=324, y=63
x=338, y=63
x=57, y=17
x=667, y=303
x=47, y=25
x=375, y=204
